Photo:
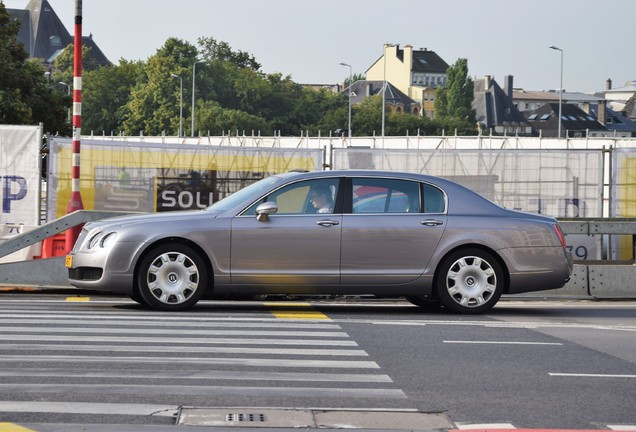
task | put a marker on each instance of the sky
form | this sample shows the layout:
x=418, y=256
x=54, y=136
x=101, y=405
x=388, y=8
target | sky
x=308, y=39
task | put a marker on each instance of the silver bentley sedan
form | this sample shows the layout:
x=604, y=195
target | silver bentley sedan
x=428, y=239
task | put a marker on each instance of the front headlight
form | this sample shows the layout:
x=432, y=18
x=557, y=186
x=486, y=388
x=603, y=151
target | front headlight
x=101, y=240
x=94, y=240
x=108, y=239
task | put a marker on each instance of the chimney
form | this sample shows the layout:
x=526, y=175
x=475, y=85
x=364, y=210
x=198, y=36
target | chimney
x=585, y=107
x=487, y=81
x=368, y=89
x=508, y=87
x=608, y=84
x=601, y=111
x=408, y=56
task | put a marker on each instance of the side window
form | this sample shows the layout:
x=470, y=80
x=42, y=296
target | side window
x=305, y=197
x=377, y=195
x=433, y=200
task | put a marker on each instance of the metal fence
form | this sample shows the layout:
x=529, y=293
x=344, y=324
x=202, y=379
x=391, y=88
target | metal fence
x=560, y=183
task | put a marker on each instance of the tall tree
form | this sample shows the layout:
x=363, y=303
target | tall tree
x=107, y=92
x=27, y=97
x=455, y=100
x=64, y=63
x=154, y=102
x=211, y=50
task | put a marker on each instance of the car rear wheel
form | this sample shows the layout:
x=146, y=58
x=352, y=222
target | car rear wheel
x=469, y=281
x=172, y=278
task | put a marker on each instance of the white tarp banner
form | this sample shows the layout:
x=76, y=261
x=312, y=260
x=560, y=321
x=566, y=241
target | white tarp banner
x=20, y=174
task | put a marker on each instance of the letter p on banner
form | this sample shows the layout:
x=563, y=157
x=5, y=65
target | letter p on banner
x=11, y=193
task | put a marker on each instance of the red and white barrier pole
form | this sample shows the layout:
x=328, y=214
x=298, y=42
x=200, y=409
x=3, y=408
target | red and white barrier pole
x=75, y=202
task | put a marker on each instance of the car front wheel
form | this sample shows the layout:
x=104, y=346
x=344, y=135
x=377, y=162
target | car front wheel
x=469, y=281
x=172, y=278
x=427, y=304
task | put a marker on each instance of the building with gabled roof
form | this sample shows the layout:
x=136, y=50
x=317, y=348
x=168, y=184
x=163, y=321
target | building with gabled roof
x=575, y=123
x=44, y=36
x=416, y=73
x=629, y=110
x=618, y=97
x=395, y=100
x=495, y=111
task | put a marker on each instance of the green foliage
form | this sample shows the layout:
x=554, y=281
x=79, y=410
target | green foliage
x=212, y=50
x=232, y=94
x=26, y=96
x=217, y=120
x=154, y=101
x=64, y=64
x=106, y=95
x=354, y=78
x=455, y=101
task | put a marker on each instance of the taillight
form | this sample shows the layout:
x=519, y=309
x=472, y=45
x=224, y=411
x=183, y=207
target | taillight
x=559, y=234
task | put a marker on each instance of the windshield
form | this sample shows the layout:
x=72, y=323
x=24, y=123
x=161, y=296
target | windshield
x=258, y=188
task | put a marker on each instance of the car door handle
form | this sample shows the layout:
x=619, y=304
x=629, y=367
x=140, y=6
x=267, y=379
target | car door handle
x=327, y=222
x=431, y=222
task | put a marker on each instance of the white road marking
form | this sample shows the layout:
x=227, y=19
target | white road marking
x=466, y=426
x=149, y=389
x=225, y=375
x=184, y=349
x=582, y=375
x=179, y=331
x=501, y=342
x=176, y=341
x=253, y=362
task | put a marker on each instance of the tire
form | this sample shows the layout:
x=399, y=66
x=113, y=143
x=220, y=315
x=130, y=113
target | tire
x=172, y=278
x=136, y=297
x=426, y=303
x=469, y=281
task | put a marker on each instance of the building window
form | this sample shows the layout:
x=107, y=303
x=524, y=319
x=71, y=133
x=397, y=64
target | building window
x=55, y=40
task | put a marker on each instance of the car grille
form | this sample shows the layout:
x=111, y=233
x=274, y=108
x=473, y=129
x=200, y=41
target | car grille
x=85, y=273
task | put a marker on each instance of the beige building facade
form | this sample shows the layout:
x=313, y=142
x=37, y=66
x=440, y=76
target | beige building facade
x=416, y=73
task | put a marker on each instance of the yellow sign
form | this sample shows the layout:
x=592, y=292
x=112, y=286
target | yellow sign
x=147, y=167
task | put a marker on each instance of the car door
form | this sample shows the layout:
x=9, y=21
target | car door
x=299, y=245
x=391, y=232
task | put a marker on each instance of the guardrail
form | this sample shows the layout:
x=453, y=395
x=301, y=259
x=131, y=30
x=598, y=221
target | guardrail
x=46, y=272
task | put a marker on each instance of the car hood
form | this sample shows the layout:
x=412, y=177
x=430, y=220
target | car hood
x=151, y=218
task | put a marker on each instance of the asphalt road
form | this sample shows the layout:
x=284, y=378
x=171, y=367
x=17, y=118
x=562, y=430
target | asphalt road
x=70, y=361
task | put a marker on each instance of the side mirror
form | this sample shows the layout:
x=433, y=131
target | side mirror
x=264, y=210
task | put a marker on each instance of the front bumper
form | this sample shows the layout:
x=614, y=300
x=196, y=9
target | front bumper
x=109, y=269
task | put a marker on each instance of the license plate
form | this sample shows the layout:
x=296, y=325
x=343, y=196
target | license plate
x=69, y=261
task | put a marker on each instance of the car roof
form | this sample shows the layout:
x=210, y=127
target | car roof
x=440, y=181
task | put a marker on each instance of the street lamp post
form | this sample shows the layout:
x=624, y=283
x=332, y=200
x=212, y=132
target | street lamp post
x=350, y=84
x=180, y=103
x=193, y=80
x=68, y=93
x=560, y=88
x=384, y=90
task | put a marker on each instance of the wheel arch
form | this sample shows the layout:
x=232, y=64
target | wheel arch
x=175, y=240
x=500, y=261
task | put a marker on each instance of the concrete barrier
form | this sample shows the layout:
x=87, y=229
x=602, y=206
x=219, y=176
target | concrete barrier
x=604, y=279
